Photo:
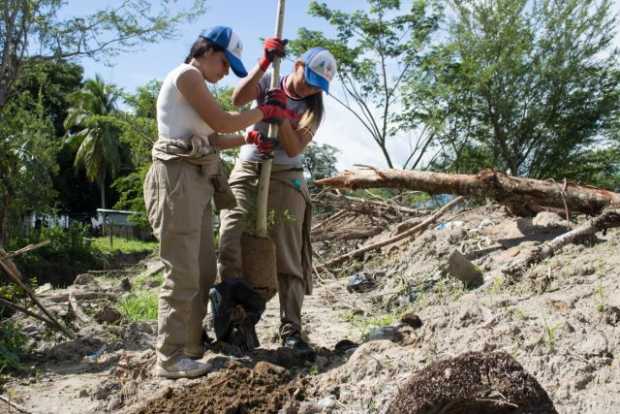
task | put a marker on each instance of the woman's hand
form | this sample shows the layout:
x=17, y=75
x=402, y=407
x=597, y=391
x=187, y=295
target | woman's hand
x=272, y=47
x=274, y=113
x=264, y=145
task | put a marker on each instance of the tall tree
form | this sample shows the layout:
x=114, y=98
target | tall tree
x=94, y=132
x=376, y=50
x=529, y=86
x=103, y=32
x=320, y=161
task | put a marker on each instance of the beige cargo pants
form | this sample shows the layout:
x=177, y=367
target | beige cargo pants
x=178, y=202
x=289, y=208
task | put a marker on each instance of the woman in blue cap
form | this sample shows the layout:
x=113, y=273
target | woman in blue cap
x=180, y=184
x=301, y=91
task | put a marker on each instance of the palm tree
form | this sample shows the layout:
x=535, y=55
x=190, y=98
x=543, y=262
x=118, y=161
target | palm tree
x=91, y=129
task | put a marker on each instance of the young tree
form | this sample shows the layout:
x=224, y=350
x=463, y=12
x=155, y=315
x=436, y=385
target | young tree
x=104, y=32
x=525, y=86
x=320, y=161
x=376, y=50
x=94, y=132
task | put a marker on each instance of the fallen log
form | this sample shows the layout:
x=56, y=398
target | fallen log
x=77, y=310
x=524, y=196
x=608, y=219
x=419, y=228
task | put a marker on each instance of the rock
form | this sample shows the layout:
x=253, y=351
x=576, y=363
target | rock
x=593, y=343
x=457, y=235
x=115, y=403
x=345, y=345
x=464, y=270
x=84, y=279
x=551, y=221
x=454, y=386
x=327, y=404
x=360, y=282
x=43, y=288
x=83, y=393
x=108, y=315
x=612, y=315
x=125, y=284
x=411, y=319
x=266, y=368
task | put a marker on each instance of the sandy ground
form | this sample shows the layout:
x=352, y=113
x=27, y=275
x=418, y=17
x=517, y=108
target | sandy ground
x=560, y=321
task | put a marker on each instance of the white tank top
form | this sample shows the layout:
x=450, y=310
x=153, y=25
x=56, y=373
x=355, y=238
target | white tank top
x=176, y=119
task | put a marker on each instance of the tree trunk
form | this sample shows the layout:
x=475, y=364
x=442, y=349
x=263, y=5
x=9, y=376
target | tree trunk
x=102, y=190
x=524, y=196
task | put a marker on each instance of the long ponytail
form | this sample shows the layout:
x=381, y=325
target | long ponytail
x=312, y=117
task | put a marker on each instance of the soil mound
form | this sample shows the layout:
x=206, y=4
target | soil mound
x=235, y=390
x=474, y=382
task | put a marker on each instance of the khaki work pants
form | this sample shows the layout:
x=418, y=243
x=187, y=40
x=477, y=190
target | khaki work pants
x=178, y=196
x=289, y=208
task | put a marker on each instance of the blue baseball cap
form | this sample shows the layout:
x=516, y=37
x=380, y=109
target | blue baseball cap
x=319, y=67
x=231, y=43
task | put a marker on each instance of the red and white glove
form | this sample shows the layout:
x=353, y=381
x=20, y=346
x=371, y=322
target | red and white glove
x=275, y=114
x=264, y=145
x=276, y=97
x=272, y=47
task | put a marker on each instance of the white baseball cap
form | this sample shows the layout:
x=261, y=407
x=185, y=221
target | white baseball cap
x=320, y=67
x=228, y=40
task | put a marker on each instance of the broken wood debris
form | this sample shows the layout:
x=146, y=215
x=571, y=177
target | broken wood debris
x=13, y=272
x=523, y=196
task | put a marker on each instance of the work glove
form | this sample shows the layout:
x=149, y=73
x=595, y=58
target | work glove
x=275, y=114
x=276, y=97
x=272, y=47
x=264, y=145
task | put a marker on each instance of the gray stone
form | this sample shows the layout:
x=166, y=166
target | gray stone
x=115, y=403
x=464, y=270
x=594, y=343
x=108, y=315
x=84, y=279
x=550, y=221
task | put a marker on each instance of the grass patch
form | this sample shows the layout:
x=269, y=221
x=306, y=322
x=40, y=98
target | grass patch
x=143, y=281
x=141, y=306
x=123, y=245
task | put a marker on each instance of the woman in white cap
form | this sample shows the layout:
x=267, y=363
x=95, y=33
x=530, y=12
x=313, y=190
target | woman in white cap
x=288, y=196
x=180, y=184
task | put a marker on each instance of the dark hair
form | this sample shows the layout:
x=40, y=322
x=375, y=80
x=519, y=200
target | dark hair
x=201, y=46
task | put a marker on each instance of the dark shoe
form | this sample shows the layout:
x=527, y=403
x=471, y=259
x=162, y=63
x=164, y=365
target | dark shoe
x=299, y=346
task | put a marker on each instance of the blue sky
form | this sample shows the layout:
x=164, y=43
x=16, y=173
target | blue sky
x=251, y=19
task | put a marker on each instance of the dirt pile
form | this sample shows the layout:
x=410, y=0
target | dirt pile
x=473, y=383
x=266, y=388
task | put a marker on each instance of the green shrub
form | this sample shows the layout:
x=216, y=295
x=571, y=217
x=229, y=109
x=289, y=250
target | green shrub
x=68, y=254
x=123, y=245
x=141, y=306
x=12, y=342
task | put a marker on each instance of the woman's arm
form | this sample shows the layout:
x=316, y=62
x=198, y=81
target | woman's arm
x=225, y=141
x=192, y=87
x=294, y=141
x=247, y=90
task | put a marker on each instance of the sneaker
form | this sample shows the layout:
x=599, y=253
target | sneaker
x=299, y=346
x=182, y=368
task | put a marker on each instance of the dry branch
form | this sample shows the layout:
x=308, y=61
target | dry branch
x=608, y=219
x=364, y=206
x=25, y=311
x=348, y=234
x=9, y=267
x=419, y=228
x=522, y=195
x=12, y=404
x=77, y=309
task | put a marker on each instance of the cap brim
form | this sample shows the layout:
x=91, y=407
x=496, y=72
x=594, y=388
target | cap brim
x=236, y=65
x=315, y=80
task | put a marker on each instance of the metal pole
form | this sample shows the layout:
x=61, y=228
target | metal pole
x=265, y=172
